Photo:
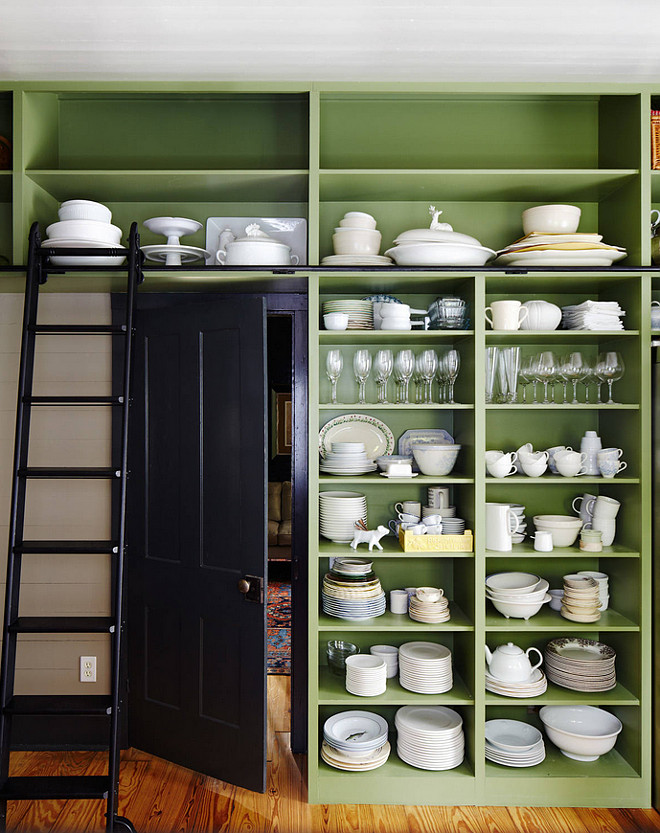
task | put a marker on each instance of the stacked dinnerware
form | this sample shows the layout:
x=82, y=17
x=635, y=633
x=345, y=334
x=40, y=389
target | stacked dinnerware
x=347, y=459
x=390, y=655
x=360, y=313
x=603, y=581
x=513, y=743
x=535, y=686
x=517, y=595
x=356, y=242
x=430, y=737
x=425, y=667
x=580, y=664
x=453, y=526
x=429, y=605
x=581, y=601
x=352, y=596
x=338, y=514
x=355, y=741
x=84, y=224
x=519, y=510
x=366, y=675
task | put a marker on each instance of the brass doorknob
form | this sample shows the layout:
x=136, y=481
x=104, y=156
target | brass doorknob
x=243, y=586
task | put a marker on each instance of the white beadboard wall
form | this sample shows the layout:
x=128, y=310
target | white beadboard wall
x=60, y=584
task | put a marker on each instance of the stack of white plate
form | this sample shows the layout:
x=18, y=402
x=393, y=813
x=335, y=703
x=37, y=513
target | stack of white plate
x=338, y=514
x=351, y=566
x=425, y=667
x=360, y=313
x=390, y=655
x=84, y=224
x=356, y=260
x=366, y=675
x=352, y=597
x=513, y=743
x=430, y=737
x=347, y=459
x=580, y=664
x=537, y=684
x=355, y=741
x=453, y=526
x=428, y=604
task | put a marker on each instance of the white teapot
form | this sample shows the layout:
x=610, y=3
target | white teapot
x=510, y=663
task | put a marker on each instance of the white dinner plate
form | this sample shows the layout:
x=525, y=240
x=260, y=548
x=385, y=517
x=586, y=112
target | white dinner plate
x=586, y=257
x=376, y=436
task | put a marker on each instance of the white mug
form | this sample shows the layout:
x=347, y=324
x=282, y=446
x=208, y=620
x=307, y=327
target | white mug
x=507, y=315
x=398, y=601
x=438, y=497
x=604, y=507
x=410, y=507
x=543, y=540
x=501, y=525
x=605, y=525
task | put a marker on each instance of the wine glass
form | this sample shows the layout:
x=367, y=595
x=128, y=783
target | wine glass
x=451, y=364
x=546, y=372
x=383, y=364
x=403, y=371
x=427, y=367
x=574, y=368
x=609, y=368
x=334, y=364
x=361, y=369
x=526, y=376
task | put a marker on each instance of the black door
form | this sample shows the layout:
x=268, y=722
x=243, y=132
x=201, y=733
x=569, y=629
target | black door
x=196, y=529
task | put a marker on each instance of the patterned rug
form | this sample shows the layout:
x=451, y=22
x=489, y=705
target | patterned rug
x=279, y=627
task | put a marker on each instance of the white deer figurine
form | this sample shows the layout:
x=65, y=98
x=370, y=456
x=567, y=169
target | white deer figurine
x=362, y=535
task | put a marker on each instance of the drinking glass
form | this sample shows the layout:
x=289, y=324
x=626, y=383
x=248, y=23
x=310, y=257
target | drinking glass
x=573, y=369
x=442, y=379
x=383, y=365
x=334, y=364
x=362, y=368
x=403, y=371
x=492, y=357
x=428, y=366
x=526, y=376
x=546, y=372
x=451, y=363
x=588, y=378
x=510, y=359
x=609, y=368
x=503, y=394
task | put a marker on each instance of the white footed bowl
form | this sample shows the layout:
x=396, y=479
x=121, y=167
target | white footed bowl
x=583, y=733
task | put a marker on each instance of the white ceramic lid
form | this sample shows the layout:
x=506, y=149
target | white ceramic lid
x=254, y=234
x=436, y=233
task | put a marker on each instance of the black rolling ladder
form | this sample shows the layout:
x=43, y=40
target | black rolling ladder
x=72, y=787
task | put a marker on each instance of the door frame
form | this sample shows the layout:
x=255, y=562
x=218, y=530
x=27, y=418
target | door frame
x=295, y=305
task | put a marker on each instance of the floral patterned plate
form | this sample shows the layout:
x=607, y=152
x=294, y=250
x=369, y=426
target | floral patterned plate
x=357, y=428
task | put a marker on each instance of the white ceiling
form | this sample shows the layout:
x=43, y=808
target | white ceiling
x=331, y=40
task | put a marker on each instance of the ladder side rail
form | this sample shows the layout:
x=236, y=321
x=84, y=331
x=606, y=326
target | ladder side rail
x=35, y=275
x=134, y=278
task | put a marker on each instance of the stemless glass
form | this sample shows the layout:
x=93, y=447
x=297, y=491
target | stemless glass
x=546, y=372
x=383, y=365
x=573, y=369
x=510, y=358
x=492, y=357
x=403, y=369
x=451, y=363
x=362, y=368
x=334, y=364
x=609, y=368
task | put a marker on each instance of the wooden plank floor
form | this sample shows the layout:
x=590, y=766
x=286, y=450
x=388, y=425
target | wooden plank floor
x=159, y=797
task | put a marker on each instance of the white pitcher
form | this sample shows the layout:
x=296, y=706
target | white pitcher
x=501, y=525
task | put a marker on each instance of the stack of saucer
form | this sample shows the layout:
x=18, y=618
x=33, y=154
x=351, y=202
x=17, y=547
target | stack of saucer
x=430, y=737
x=513, y=743
x=347, y=459
x=603, y=581
x=390, y=655
x=519, y=536
x=355, y=741
x=453, y=526
x=580, y=664
x=536, y=685
x=338, y=514
x=580, y=602
x=425, y=667
x=366, y=675
x=360, y=313
x=429, y=605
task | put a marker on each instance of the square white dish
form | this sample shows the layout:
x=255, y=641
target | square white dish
x=289, y=230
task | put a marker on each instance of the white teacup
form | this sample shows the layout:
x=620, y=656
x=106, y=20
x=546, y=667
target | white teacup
x=434, y=529
x=611, y=453
x=412, y=507
x=418, y=529
x=507, y=315
x=551, y=455
x=408, y=517
x=432, y=520
x=609, y=466
x=570, y=463
x=499, y=464
x=533, y=468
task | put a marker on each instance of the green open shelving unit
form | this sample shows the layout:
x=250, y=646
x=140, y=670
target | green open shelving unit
x=482, y=154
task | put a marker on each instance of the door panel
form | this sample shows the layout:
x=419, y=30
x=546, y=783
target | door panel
x=197, y=525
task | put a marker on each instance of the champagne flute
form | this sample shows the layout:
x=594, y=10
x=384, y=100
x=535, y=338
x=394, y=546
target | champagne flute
x=403, y=369
x=361, y=369
x=334, y=364
x=609, y=368
x=451, y=363
x=383, y=365
x=428, y=366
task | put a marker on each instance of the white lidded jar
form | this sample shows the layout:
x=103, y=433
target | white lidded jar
x=590, y=445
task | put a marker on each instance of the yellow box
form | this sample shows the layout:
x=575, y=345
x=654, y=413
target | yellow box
x=436, y=543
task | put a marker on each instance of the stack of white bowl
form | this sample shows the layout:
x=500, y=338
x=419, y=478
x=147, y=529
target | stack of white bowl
x=513, y=743
x=347, y=459
x=603, y=581
x=84, y=224
x=390, y=655
x=338, y=514
x=356, y=241
x=366, y=675
x=425, y=667
x=581, y=601
x=563, y=528
x=355, y=741
x=517, y=595
x=430, y=737
x=429, y=605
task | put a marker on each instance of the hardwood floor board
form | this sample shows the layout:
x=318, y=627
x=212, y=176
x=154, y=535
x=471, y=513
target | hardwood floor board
x=248, y=813
x=286, y=789
x=214, y=808
x=548, y=820
x=279, y=702
x=632, y=821
x=599, y=820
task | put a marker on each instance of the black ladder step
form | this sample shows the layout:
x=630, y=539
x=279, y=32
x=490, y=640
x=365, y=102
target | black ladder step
x=55, y=786
x=60, y=473
x=77, y=329
x=73, y=400
x=67, y=547
x=65, y=704
x=63, y=624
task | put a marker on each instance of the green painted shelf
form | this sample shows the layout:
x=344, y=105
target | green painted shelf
x=567, y=406
x=556, y=336
x=557, y=479
x=556, y=765
x=420, y=480
x=526, y=550
x=552, y=620
x=391, y=336
x=558, y=696
x=332, y=692
x=391, y=406
x=391, y=549
x=398, y=622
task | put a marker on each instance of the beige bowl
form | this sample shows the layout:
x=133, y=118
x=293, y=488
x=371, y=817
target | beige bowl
x=551, y=219
x=356, y=241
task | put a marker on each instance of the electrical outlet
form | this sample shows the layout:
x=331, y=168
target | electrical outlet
x=87, y=669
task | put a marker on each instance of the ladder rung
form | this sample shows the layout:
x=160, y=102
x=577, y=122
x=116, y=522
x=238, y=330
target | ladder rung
x=57, y=473
x=78, y=329
x=73, y=400
x=55, y=786
x=67, y=547
x=54, y=704
x=63, y=624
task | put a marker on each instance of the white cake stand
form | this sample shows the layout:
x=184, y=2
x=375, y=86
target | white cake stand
x=173, y=253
